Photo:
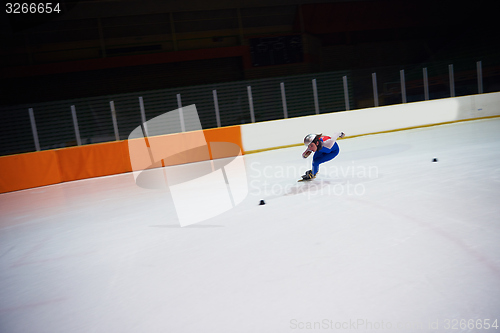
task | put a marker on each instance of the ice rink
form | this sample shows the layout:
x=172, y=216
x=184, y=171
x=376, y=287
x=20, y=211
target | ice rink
x=383, y=239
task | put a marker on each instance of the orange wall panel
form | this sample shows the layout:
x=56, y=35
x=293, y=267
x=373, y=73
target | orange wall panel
x=231, y=139
x=95, y=160
x=18, y=172
x=180, y=148
x=140, y=156
x=61, y=165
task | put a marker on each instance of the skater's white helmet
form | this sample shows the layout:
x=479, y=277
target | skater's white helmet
x=311, y=138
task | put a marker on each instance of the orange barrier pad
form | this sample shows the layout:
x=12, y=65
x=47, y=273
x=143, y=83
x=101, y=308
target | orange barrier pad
x=28, y=170
x=231, y=134
x=182, y=148
x=171, y=149
x=102, y=159
x=35, y=169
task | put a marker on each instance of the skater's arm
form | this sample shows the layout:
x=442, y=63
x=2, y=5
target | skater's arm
x=331, y=140
x=315, y=167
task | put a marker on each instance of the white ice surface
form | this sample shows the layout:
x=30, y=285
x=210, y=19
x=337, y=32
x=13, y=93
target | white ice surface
x=383, y=235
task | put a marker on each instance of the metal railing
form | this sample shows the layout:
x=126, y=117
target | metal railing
x=42, y=126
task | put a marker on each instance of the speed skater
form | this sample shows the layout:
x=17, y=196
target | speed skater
x=325, y=148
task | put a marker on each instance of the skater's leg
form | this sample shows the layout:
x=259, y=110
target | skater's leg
x=319, y=158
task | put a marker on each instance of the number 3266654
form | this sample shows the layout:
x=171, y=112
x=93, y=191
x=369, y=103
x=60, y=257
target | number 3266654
x=32, y=8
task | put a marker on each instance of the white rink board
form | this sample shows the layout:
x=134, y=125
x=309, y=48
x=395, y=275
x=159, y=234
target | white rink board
x=291, y=131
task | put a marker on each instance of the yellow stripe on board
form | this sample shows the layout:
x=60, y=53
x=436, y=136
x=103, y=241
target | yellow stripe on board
x=388, y=131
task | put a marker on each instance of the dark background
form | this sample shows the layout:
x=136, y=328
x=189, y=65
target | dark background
x=95, y=48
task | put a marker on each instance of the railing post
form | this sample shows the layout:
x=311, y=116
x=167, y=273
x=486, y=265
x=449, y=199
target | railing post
x=315, y=94
x=479, y=77
x=75, y=124
x=181, y=113
x=452, y=80
x=426, y=84
x=115, y=123
x=283, y=100
x=216, y=104
x=346, y=93
x=403, y=86
x=33, y=129
x=375, y=89
x=250, y=103
x=143, y=117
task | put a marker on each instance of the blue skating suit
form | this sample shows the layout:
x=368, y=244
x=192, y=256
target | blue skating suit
x=328, y=152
